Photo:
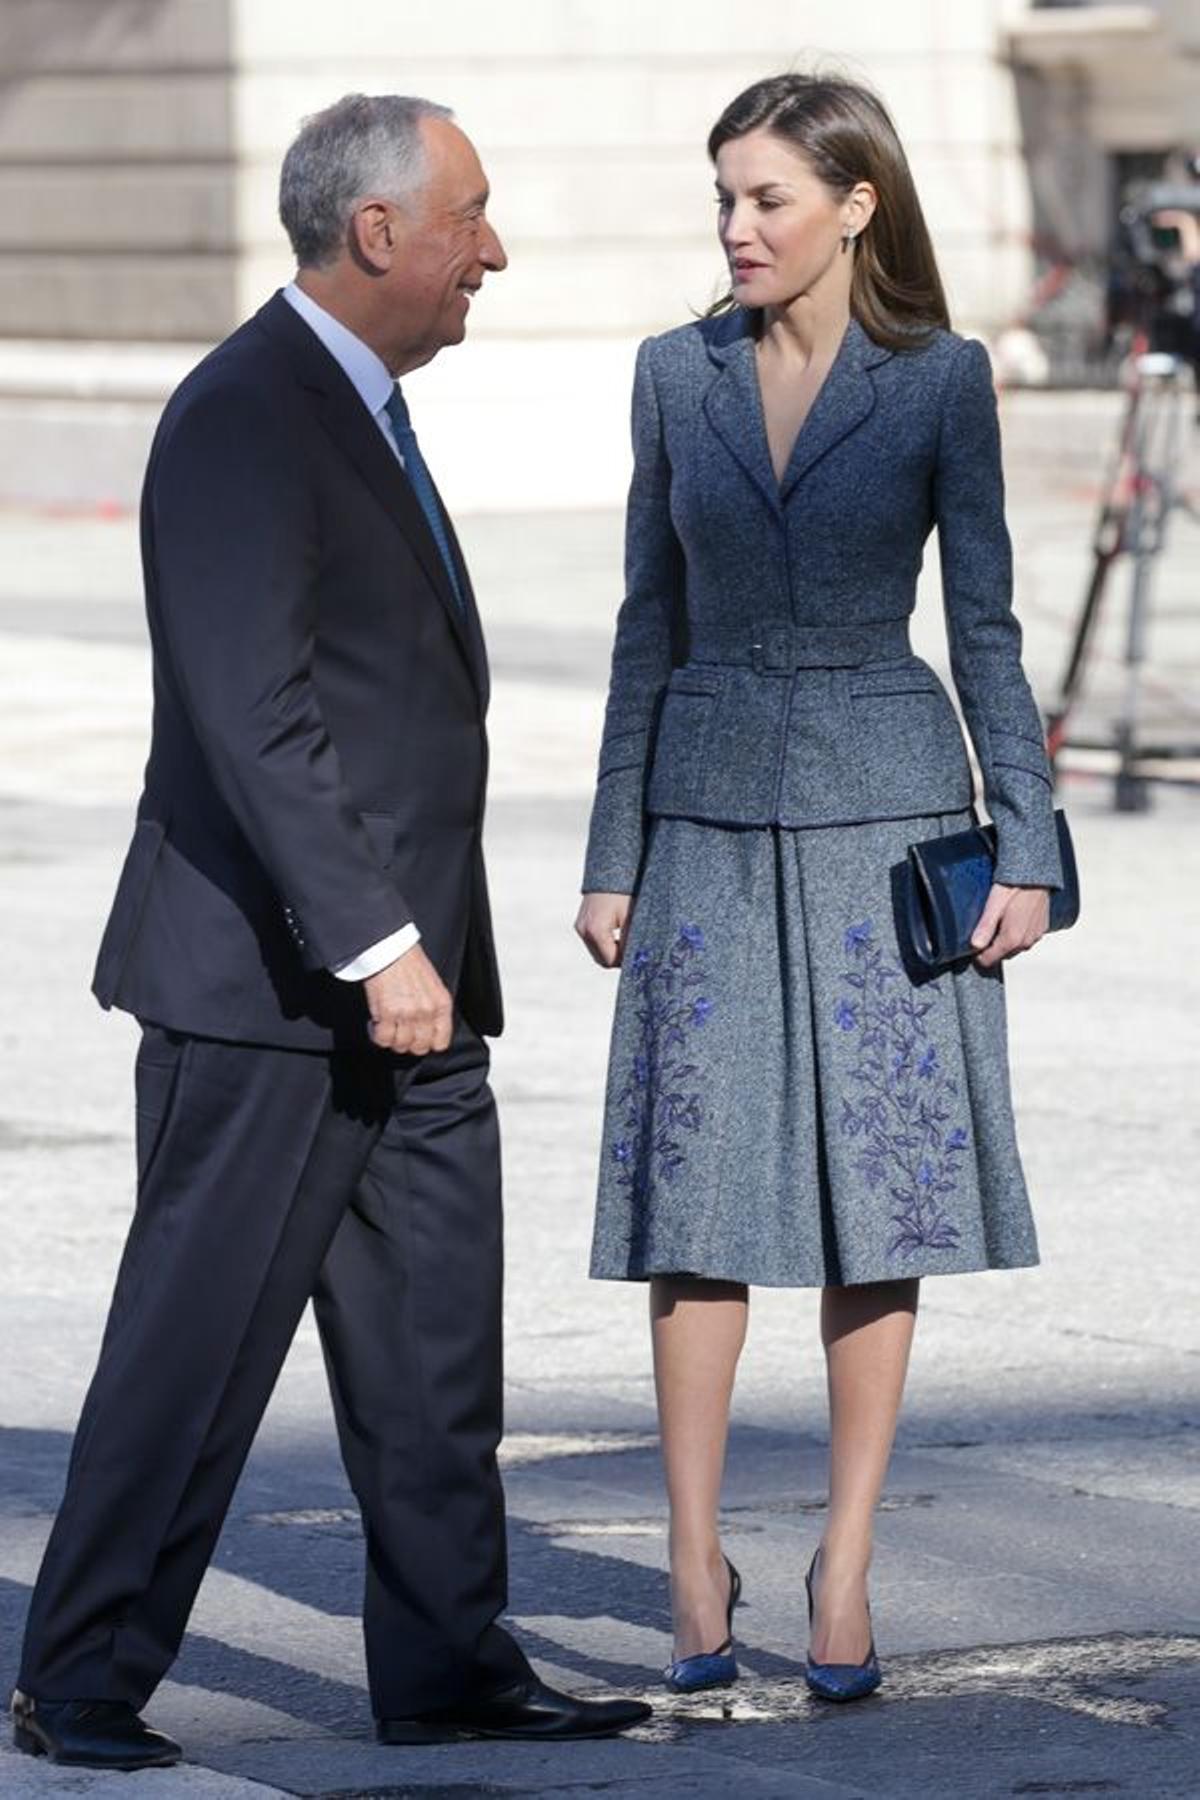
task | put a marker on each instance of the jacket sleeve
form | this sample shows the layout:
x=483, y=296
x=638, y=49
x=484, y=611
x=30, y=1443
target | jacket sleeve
x=984, y=635
x=232, y=546
x=642, y=653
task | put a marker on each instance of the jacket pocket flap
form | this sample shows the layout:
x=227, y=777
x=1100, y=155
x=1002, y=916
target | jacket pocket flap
x=910, y=678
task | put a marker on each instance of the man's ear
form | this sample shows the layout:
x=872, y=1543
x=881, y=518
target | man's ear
x=374, y=234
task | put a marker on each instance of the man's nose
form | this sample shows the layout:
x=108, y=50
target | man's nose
x=492, y=253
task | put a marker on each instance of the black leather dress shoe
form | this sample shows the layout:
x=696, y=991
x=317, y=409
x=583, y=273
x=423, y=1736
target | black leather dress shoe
x=528, y=1710
x=89, y=1734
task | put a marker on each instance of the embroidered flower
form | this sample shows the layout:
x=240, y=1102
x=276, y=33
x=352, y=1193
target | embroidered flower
x=903, y=1099
x=660, y=1098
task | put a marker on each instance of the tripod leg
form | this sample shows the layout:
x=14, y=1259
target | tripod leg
x=1154, y=482
x=1110, y=538
x=1056, y=717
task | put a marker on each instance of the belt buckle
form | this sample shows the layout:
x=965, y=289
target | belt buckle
x=772, y=647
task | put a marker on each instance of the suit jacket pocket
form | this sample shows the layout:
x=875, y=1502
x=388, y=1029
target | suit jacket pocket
x=681, y=744
x=127, y=907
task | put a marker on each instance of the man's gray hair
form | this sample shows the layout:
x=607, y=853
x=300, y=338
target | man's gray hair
x=362, y=144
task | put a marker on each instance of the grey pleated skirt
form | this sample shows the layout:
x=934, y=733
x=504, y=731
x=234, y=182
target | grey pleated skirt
x=786, y=1105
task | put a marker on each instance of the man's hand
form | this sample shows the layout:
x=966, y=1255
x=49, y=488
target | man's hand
x=603, y=923
x=411, y=1010
x=1013, y=920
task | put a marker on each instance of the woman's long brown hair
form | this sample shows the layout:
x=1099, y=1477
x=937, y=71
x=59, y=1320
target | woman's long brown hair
x=845, y=133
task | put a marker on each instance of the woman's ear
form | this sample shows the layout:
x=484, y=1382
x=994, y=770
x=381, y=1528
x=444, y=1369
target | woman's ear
x=859, y=206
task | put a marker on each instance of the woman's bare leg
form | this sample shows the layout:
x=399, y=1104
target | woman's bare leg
x=867, y=1332
x=698, y=1329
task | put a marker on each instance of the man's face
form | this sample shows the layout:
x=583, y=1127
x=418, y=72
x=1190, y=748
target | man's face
x=444, y=247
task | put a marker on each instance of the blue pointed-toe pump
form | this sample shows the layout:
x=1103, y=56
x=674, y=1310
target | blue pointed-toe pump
x=840, y=1681
x=710, y=1668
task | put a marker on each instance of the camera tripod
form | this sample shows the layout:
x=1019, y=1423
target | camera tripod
x=1139, y=497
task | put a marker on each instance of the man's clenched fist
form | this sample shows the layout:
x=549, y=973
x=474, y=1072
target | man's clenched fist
x=411, y=1009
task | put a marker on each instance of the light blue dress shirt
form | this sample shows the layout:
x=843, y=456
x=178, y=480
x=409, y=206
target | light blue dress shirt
x=372, y=381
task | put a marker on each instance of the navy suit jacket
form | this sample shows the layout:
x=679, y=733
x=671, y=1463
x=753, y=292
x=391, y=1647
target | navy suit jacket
x=318, y=757
x=762, y=672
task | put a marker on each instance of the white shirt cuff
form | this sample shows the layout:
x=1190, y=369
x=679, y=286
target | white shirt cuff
x=378, y=956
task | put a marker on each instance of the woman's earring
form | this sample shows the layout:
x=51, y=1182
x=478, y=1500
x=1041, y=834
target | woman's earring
x=847, y=240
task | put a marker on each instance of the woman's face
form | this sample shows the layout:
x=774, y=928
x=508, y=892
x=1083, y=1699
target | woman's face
x=780, y=226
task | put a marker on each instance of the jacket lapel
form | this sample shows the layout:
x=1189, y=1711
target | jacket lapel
x=346, y=419
x=846, y=397
x=733, y=404
x=476, y=648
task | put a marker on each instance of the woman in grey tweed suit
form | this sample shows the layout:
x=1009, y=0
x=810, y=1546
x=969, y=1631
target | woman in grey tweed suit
x=788, y=1105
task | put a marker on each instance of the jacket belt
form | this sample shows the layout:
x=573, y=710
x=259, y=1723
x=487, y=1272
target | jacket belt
x=780, y=644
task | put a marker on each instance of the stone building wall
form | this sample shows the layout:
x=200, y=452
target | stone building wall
x=140, y=143
x=117, y=169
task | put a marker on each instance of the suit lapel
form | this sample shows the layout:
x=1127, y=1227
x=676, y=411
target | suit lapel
x=733, y=405
x=476, y=648
x=347, y=421
x=845, y=399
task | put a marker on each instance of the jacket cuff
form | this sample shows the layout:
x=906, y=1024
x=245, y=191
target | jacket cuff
x=1022, y=811
x=615, y=838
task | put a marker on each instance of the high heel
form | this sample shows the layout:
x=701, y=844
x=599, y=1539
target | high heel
x=709, y=1668
x=840, y=1681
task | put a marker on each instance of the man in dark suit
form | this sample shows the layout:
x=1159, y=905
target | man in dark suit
x=302, y=929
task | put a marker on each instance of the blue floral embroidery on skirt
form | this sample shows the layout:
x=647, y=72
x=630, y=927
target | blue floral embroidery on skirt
x=661, y=1096
x=903, y=1113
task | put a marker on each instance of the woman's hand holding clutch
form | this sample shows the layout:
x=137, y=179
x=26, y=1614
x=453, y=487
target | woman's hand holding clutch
x=1013, y=920
x=602, y=924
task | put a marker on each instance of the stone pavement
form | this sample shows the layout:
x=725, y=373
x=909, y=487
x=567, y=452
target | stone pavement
x=1035, y=1592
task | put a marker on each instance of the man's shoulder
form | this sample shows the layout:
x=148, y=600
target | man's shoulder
x=245, y=383
x=247, y=359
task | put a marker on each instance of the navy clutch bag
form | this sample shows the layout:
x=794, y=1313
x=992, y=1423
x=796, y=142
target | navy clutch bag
x=944, y=887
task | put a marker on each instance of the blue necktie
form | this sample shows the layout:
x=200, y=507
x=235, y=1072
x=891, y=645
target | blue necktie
x=421, y=483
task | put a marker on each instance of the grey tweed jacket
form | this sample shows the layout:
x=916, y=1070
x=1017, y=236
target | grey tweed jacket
x=762, y=672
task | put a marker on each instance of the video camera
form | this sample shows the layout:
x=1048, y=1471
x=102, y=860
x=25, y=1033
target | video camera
x=1157, y=246
x=1152, y=284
